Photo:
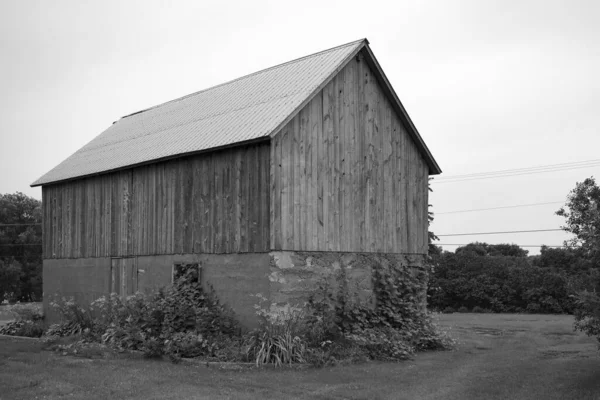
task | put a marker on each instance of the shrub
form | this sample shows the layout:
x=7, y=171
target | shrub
x=499, y=283
x=479, y=310
x=75, y=320
x=10, y=280
x=463, y=309
x=29, y=321
x=334, y=326
x=449, y=310
x=587, y=314
x=182, y=320
x=392, y=327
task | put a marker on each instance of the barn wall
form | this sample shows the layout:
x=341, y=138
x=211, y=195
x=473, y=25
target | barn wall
x=345, y=174
x=209, y=203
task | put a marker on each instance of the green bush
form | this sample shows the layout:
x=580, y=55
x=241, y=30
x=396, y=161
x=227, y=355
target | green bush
x=392, y=327
x=182, y=320
x=29, y=321
x=463, y=310
x=587, y=314
x=10, y=280
x=334, y=326
x=498, y=283
x=75, y=320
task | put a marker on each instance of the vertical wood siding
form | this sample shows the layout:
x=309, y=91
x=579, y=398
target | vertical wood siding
x=345, y=174
x=209, y=203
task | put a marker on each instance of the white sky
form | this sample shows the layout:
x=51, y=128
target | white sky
x=490, y=85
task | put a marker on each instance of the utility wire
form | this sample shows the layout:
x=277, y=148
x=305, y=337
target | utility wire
x=520, y=245
x=522, y=169
x=518, y=172
x=498, y=233
x=498, y=208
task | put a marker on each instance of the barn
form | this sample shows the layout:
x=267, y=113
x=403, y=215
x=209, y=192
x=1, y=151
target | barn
x=266, y=183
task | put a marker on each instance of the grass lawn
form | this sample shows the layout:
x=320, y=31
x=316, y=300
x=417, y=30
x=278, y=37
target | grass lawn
x=501, y=356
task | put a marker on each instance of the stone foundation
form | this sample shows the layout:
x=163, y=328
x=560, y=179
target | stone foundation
x=282, y=277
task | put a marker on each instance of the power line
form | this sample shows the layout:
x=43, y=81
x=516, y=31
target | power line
x=518, y=172
x=498, y=233
x=523, y=169
x=498, y=208
x=511, y=175
x=520, y=245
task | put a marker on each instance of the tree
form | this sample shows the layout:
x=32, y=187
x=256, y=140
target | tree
x=582, y=215
x=10, y=281
x=484, y=249
x=567, y=259
x=21, y=239
x=433, y=249
x=582, y=219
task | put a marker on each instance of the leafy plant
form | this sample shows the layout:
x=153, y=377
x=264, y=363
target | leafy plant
x=75, y=320
x=29, y=321
x=391, y=327
x=582, y=219
x=280, y=339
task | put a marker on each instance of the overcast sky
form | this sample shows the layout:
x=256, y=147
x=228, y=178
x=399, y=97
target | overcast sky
x=491, y=85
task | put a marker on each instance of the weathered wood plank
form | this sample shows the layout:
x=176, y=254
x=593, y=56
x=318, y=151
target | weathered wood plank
x=328, y=167
x=317, y=163
x=276, y=195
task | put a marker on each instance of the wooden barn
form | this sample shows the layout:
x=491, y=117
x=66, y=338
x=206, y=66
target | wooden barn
x=268, y=183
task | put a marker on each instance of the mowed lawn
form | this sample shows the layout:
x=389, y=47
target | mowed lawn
x=500, y=356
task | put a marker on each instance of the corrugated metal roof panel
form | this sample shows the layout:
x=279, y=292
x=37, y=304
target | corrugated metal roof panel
x=248, y=108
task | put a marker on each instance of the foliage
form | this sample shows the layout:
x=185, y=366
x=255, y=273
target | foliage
x=280, y=338
x=587, y=314
x=29, y=321
x=497, y=283
x=335, y=325
x=582, y=219
x=570, y=260
x=10, y=280
x=391, y=327
x=484, y=249
x=75, y=320
x=182, y=320
x=21, y=239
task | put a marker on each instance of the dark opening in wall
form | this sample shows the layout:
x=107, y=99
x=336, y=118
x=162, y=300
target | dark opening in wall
x=191, y=271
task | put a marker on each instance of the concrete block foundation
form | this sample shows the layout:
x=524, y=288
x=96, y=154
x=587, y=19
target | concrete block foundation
x=283, y=277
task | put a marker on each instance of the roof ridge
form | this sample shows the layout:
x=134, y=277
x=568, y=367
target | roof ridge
x=247, y=76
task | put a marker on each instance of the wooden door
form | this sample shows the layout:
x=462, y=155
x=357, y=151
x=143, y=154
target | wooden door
x=124, y=276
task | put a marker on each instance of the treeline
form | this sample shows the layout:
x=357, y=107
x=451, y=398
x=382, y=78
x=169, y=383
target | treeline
x=20, y=248
x=503, y=278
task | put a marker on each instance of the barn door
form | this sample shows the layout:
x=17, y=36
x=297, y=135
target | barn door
x=124, y=276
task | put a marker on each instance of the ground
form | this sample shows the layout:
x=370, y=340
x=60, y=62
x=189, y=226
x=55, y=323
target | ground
x=500, y=356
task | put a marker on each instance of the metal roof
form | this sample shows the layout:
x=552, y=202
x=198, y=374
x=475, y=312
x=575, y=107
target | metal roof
x=245, y=109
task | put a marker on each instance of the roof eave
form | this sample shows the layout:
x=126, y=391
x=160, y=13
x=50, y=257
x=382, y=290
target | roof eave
x=154, y=161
